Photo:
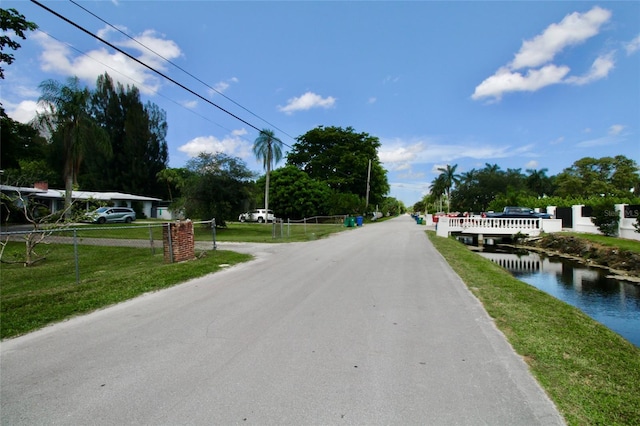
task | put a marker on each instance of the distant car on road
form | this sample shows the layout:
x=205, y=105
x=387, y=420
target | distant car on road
x=519, y=212
x=257, y=215
x=111, y=214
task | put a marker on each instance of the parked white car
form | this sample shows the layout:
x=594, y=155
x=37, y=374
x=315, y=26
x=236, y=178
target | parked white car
x=257, y=215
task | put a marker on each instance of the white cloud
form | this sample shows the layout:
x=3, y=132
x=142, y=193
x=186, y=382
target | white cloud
x=633, y=45
x=599, y=69
x=59, y=58
x=372, y=100
x=222, y=86
x=536, y=54
x=189, y=104
x=307, y=101
x=398, y=154
x=615, y=135
x=23, y=112
x=504, y=81
x=233, y=145
x=533, y=164
x=616, y=129
x=573, y=29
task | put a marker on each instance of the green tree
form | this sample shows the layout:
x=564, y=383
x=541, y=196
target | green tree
x=438, y=189
x=174, y=179
x=340, y=158
x=217, y=187
x=538, y=182
x=449, y=179
x=137, y=134
x=67, y=120
x=267, y=148
x=606, y=177
x=295, y=195
x=11, y=21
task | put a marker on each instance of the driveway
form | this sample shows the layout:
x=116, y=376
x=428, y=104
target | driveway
x=370, y=326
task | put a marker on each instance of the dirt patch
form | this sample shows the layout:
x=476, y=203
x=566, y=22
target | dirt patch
x=619, y=261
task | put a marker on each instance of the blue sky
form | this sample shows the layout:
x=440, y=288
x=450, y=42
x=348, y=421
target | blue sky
x=525, y=85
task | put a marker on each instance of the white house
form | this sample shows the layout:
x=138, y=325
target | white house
x=54, y=198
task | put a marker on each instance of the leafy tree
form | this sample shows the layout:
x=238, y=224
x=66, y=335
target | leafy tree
x=392, y=206
x=340, y=158
x=173, y=179
x=295, y=195
x=605, y=218
x=267, y=148
x=217, y=187
x=607, y=176
x=67, y=119
x=438, y=189
x=539, y=183
x=449, y=179
x=11, y=20
x=20, y=144
x=137, y=134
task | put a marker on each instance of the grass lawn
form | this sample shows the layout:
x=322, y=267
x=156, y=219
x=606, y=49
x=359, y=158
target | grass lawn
x=33, y=297
x=590, y=372
x=631, y=245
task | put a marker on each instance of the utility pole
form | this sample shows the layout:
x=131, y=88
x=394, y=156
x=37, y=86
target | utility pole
x=368, y=180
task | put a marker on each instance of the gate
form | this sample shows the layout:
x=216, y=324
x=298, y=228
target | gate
x=566, y=214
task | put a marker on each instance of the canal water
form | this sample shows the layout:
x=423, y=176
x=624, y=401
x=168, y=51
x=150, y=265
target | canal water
x=613, y=303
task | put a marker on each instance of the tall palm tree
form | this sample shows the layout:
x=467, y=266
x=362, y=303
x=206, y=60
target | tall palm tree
x=66, y=116
x=450, y=179
x=267, y=148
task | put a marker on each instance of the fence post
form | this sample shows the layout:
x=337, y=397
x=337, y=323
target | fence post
x=213, y=232
x=170, y=242
x=75, y=254
x=153, y=249
x=288, y=228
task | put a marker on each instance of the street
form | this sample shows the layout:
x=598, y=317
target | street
x=369, y=326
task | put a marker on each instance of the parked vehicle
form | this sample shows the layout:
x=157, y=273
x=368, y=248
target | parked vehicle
x=257, y=215
x=111, y=214
x=519, y=212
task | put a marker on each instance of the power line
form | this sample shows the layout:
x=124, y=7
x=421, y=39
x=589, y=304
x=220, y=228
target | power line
x=181, y=69
x=137, y=82
x=145, y=65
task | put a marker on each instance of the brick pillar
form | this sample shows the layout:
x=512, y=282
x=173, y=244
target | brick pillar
x=178, y=241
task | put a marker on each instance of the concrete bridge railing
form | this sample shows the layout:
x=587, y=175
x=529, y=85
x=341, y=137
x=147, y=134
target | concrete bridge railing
x=484, y=226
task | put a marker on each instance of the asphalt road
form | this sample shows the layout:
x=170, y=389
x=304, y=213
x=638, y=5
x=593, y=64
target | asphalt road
x=367, y=327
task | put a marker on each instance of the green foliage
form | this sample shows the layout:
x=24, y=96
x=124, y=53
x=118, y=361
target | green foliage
x=137, y=134
x=340, y=158
x=607, y=176
x=295, y=195
x=217, y=187
x=12, y=20
x=605, y=218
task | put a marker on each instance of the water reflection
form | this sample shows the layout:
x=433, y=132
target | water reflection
x=614, y=303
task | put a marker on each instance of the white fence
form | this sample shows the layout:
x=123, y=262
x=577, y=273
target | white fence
x=532, y=227
x=496, y=226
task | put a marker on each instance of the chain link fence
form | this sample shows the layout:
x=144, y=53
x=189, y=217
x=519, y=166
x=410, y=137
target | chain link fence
x=67, y=246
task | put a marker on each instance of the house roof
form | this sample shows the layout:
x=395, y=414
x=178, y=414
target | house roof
x=79, y=195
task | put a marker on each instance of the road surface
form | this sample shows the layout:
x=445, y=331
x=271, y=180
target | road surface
x=367, y=327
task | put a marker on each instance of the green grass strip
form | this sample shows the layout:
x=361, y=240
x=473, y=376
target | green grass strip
x=591, y=373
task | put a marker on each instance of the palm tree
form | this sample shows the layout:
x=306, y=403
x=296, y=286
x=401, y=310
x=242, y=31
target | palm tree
x=450, y=179
x=67, y=117
x=267, y=148
x=538, y=181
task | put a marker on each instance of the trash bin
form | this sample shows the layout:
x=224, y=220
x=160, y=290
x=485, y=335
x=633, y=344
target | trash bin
x=359, y=220
x=419, y=221
x=349, y=222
